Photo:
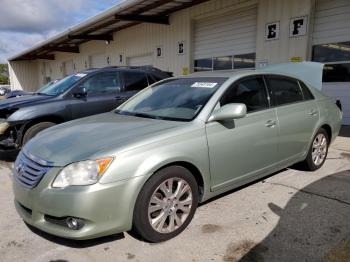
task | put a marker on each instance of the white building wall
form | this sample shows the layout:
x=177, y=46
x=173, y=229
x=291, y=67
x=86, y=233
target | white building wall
x=143, y=40
x=24, y=75
x=283, y=49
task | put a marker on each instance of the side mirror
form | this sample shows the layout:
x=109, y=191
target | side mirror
x=229, y=112
x=80, y=92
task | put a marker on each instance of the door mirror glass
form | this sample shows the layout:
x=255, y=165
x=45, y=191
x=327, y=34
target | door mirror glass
x=80, y=92
x=229, y=112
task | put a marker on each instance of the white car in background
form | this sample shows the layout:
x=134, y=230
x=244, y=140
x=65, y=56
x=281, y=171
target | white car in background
x=4, y=89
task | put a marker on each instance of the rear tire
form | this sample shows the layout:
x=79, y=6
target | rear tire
x=160, y=215
x=34, y=130
x=317, y=152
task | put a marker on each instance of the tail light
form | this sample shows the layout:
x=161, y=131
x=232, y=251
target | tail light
x=338, y=103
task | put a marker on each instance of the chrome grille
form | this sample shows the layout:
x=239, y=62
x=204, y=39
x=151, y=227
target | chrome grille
x=29, y=170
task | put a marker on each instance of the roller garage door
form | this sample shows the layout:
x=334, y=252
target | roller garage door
x=225, y=36
x=98, y=60
x=140, y=60
x=68, y=68
x=331, y=45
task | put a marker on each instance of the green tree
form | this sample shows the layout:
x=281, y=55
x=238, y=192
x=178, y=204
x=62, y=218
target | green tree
x=4, y=74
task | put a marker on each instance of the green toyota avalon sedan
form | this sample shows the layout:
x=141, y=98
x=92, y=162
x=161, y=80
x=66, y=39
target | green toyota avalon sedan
x=145, y=166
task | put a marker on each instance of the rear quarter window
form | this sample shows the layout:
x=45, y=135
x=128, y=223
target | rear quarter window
x=306, y=91
x=135, y=81
x=284, y=90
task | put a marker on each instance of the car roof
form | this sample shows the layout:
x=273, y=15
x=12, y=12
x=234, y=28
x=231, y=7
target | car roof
x=308, y=72
x=123, y=68
x=229, y=73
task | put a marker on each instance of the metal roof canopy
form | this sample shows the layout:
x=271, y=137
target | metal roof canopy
x=102, y=26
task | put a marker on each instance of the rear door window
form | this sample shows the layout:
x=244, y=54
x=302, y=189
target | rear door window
x=284, y=90
x=251, y=92
x=151, y=79
x=135, y=81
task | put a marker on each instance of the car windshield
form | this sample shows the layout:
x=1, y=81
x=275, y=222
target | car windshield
x=60, y=86
x=175, y=99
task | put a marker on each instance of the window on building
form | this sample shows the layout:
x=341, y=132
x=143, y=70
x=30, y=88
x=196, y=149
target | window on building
x=135, y=81
x=336, y=72
x=103, y=83
x=336, y=56
x=244, y=61
x=222, y=63
x=334, y=52
x=225, y=63
x=251, y=92
x=284, y=90
x=203, y=65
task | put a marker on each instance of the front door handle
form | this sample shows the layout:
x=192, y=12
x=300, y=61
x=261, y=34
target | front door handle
x=271, y=123
x=118, y=98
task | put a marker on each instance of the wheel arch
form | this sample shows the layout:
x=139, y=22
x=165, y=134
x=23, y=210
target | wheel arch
x=48, y=118
x=194, y=170
x=328, y=129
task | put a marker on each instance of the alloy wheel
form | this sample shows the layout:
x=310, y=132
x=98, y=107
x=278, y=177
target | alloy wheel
x=319, y=149
x=170, y=205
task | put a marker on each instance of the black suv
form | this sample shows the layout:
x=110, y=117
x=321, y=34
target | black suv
x=87, y=93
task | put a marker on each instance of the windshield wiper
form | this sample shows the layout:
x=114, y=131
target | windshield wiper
x=42, y=94
x=137, y=114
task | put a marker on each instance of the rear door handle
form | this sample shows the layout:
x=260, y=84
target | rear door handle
x=118, y=98
x=313, y=112
x=271, y=123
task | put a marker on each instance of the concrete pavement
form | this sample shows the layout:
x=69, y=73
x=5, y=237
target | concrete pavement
x=290, y=216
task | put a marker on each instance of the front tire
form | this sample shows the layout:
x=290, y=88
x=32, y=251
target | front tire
x=166, y=204
x=318, y=151
x=34, y=130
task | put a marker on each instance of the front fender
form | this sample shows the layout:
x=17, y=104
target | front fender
x=146, y=160
x=32, y=112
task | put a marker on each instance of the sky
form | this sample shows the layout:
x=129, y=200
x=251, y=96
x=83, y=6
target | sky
x=24, y=23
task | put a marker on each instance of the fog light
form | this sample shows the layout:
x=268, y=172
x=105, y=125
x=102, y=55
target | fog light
x=73, y=223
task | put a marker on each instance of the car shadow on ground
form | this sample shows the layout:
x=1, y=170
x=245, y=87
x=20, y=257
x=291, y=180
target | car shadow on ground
x=76, y=243
x=313, y=226
x=9, y=156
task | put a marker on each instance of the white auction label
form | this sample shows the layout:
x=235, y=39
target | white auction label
x=80, y=75
x=204, y=84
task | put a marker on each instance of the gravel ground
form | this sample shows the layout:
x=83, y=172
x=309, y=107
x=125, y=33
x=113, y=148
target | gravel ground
x=289, y=216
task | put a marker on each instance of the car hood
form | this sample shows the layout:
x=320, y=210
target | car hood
x=25, y=100
x=94, y=137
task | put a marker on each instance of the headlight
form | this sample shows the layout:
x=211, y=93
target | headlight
x=82, y=173
x=3, y=127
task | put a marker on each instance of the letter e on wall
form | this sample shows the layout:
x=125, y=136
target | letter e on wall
x=272, y=31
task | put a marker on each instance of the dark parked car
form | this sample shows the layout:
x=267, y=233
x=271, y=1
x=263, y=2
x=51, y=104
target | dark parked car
x=87, y=93
x=17, y=93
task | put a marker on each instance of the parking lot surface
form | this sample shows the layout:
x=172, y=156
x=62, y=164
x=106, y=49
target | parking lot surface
x=289, y=216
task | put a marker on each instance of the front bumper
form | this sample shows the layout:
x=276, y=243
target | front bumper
x=105, y=208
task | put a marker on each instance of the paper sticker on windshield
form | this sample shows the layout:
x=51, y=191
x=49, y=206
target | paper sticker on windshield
x=204, y=84
x=80, y=75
